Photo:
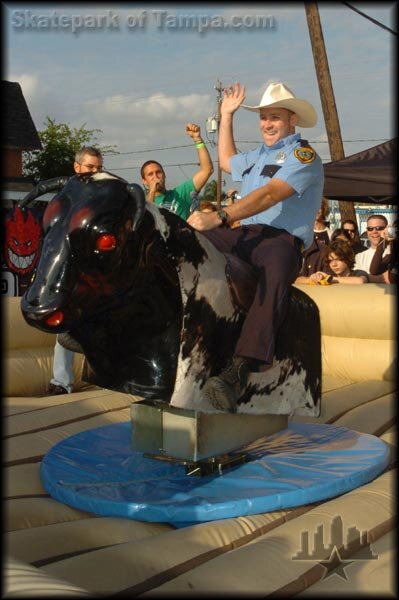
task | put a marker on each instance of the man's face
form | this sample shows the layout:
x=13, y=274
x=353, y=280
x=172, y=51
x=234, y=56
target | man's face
x=154, y=176
x=276, y=124
x=374, y=235
x=88, y=164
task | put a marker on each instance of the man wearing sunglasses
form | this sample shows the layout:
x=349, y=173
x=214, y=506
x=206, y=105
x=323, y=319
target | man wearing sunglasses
x=376, y=224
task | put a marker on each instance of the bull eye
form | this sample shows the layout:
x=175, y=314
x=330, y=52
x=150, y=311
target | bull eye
x=106, y=242
x=55, y=319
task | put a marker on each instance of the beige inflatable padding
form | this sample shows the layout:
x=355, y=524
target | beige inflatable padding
x=28, y=371
x=17, y=333
x=374, y=418
x=56, y=417
x=231, y=556
x=257, y=568
x=24, y=513
x=25, y=404
x=337, y=402
x=38, y=545
x=361, y=310
x=24, y=581
x=371, y=578
x=36, y=444
x=28, y=355
x=358, y=330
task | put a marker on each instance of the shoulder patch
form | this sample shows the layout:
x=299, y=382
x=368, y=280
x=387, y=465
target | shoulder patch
x=305, y=155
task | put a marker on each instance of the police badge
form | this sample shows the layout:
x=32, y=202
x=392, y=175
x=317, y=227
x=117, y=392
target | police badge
x=305, y=155
x=280, y=157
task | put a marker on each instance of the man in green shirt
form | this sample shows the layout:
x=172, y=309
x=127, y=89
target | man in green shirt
x=178, y=199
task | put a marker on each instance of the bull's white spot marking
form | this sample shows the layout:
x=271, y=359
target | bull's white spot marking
x=103, y=175
x=159, y=220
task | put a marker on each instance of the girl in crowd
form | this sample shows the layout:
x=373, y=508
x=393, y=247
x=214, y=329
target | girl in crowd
x=341, y=234
x=351, y=227
x=340, y=261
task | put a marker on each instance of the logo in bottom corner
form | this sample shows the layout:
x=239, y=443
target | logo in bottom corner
x=340, y=553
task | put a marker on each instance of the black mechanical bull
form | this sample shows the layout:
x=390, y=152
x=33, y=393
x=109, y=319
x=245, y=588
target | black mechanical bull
x=155, y=307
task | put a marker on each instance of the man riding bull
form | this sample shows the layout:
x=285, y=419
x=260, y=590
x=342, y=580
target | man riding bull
x=282, y=185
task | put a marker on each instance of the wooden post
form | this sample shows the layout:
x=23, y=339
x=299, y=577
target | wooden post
x=219, y=90
x=331, y=120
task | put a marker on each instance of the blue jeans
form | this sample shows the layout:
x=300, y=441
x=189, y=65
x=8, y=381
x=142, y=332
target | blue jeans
x=63, y=367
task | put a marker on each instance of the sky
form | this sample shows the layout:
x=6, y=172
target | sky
x=139, y=72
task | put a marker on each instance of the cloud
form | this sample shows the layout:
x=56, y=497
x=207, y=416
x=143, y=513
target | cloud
x=28, y=83
x=156, y=106
x=149, y=121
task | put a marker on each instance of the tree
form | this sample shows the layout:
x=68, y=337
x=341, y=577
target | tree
x=60, y=143
x=209, y=193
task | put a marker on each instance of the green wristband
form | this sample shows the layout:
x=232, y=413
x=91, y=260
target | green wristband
x=200, y=145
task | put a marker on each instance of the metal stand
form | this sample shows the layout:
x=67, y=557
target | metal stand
x=200, y=441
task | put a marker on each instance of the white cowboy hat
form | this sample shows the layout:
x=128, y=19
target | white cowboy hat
x=278, y=94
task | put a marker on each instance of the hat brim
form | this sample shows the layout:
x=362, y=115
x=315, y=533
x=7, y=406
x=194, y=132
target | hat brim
x=307, y=116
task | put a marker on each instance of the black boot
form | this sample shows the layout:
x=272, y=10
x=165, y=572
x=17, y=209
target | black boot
x=223, y=390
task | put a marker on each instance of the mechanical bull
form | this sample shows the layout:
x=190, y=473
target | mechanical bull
x=155, y=307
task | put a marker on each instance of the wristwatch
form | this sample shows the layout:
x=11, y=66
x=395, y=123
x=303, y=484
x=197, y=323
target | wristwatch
x=223, y=216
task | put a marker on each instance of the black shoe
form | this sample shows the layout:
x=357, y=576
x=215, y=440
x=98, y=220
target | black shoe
x=224, y=390
x=56, y=390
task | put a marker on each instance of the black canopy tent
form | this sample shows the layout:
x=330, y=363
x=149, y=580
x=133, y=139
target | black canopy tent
x=366, y=177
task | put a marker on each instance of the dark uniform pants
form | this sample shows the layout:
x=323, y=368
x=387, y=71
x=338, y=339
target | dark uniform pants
x=276, y=255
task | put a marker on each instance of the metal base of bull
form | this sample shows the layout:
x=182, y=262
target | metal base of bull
x=200, y=440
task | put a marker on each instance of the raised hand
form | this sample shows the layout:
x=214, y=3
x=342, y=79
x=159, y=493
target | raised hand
x=233, y=97
x=194, y=131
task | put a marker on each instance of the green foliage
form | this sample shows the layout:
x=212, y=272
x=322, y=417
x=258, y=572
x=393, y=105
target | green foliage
x=60, y=143
x=209, y=193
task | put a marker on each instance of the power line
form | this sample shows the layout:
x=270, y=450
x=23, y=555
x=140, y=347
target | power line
x=238, y=142
x=151, y=150
x=179, y=165
x=138, y=166
x=369, y=18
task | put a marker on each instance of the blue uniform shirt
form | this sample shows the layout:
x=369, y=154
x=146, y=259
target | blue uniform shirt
x=292, y=160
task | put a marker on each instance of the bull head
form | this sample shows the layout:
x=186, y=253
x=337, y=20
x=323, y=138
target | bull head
x=86, y=229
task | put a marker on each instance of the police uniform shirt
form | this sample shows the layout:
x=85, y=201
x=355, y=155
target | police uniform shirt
x=294, y=161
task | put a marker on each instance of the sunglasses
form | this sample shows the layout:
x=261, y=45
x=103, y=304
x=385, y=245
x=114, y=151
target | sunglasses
x=92, y=167
x=377, y=228
x=349, y=230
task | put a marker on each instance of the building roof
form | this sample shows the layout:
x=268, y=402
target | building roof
x=19, y=131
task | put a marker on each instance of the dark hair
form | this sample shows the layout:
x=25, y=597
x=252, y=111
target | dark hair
x=356, y=238
x=149, y=162
x=342, y=232
x=351, y=222
x=382, y=217
x=343, y=251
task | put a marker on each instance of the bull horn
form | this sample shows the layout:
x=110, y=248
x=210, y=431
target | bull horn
x=136, y=193
x=43, y=187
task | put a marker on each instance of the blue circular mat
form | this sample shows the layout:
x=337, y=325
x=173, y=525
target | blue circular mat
x=97, y=471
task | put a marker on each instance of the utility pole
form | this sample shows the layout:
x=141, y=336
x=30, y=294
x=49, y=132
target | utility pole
x=219, y=89
x=346, y=209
